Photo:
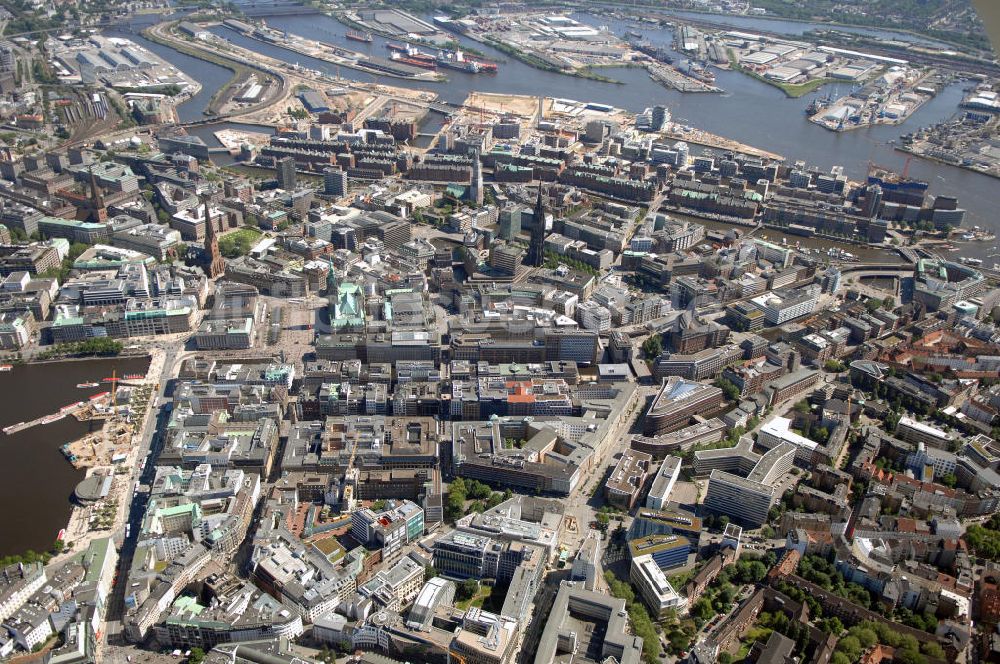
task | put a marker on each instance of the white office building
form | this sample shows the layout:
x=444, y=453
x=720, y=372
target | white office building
x=657, y=593
x=663, y=484
x=779, y=307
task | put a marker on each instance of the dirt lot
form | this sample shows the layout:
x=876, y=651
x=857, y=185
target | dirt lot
x=496, y=103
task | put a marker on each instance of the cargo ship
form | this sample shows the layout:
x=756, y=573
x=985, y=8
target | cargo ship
x=656, y=52
x=413, y=62
x=818, y=104
x=457, y=60
x=355, y=35
x=700, y=73
x=408, y=55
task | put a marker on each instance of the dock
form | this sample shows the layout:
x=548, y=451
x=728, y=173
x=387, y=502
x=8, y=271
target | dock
x=673, y=78
x=81, y=410
x=699, y=137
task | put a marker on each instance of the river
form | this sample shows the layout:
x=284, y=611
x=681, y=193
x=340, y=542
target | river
x=36, y=480
x=749, y=111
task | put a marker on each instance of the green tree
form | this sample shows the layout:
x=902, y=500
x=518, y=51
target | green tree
x=652, y=347
x=429, y=572
x=196, y=656
x=478, y=490
x=730, y=390
x=933, y=650
x=467, y=590
x=702, y=609
x=850, y=646
x=834, y=366
x=831, y=625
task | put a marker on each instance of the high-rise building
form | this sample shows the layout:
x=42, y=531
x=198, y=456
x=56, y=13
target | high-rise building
x=286, y=173
x=476, y=188
x=536, y=248
x=334, y=182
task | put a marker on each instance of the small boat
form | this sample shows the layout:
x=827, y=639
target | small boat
x=6, y=367
x=53, y=418
x=86, y=386
x=110, y=380
x=355, y=35
x=61, y=535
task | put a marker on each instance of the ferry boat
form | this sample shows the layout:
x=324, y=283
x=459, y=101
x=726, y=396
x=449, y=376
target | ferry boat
x=85, y=386
x=6, y=367
x=355, y=35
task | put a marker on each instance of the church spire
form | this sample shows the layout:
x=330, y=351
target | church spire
x=536, y=248
x=216, y=264
x=99, y=212
x=331, y=279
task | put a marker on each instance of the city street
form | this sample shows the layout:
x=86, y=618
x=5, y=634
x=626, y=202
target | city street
x=136, y=506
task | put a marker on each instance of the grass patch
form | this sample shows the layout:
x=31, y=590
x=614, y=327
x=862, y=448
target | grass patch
x=477, y=600
x=238, y=243
x=330, y=548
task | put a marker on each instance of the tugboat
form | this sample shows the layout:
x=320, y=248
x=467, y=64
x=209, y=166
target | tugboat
x=355, y=35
